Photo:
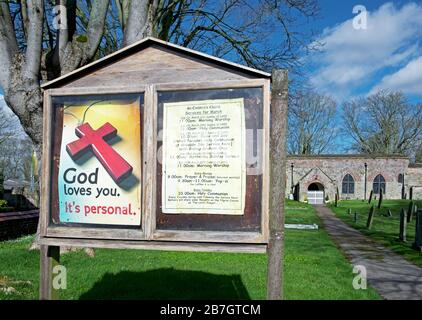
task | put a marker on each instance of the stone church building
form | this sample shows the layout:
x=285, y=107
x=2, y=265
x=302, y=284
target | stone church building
x=317, y=178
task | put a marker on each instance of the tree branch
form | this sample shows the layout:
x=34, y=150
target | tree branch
x=25, y=19
x=122, y=12
x=137, y=22
x=35, y=38
x=8, y=44
x=95, y=28
x=62, y=33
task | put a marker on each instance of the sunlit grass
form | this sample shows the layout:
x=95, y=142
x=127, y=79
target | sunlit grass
x=314, y=269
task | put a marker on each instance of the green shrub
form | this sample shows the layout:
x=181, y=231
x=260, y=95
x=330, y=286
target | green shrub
x=3, y=203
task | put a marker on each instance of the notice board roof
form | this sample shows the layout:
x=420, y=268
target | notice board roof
x=151, y=60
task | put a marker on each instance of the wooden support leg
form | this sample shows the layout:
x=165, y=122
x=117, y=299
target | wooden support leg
x=275, y=266
x=49, y=258
x=279, y=95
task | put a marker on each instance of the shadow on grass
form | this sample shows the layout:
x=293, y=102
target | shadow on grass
x=167, y=283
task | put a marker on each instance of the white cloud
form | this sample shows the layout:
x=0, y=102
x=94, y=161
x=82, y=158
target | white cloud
x=351, y=57
x=408, y=79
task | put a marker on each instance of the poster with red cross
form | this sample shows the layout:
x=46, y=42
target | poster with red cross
x=99, y=178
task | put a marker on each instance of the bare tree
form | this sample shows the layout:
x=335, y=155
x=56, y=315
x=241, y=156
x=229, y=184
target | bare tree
x=14, y=143
x=384, y=123
x=418, y=154
x=312, y=123
x=6, y=127
x=13, y=155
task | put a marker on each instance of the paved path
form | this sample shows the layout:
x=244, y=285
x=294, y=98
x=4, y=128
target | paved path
x=391, y=275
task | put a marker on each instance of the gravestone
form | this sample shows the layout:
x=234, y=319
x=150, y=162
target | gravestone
x=380, y=199
x=370, y=196
x=355, y=218
x=389, y=214
x=403, y=225
x=417, y=245
x=370, y=217
x=410, y=212
x=349, y=211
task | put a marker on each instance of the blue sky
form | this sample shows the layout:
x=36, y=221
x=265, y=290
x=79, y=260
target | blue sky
x=385, y=55
x=357, y=62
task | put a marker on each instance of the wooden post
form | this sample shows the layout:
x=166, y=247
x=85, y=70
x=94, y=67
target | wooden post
x=366, y=176
x=380, y=199
x=410, y=212
x=279, y=95
x=403, y=225
x=417, y=245
x=49, y=258
x=370, y=217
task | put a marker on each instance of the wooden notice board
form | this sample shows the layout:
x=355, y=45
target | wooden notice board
x=161, y=147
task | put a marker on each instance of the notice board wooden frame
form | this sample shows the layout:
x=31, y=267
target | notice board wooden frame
x=148, y=235
x=191, y=70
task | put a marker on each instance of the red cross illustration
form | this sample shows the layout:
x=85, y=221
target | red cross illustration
x=94, y=140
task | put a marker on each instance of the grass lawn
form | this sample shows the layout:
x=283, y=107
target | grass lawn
x=314, y=269
x=385, y=230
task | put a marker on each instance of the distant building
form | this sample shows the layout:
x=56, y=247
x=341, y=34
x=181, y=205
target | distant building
x=317, y=178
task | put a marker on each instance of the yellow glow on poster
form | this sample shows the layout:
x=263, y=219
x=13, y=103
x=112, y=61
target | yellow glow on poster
x=88, y=191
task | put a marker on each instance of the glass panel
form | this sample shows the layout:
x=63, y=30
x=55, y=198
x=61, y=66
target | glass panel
x=96, y=164
x=379, y=183
x=348, y=185
x=344, y=188
x=209, y=165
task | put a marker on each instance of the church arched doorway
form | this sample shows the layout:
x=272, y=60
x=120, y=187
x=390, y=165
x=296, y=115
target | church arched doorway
x=316, y=193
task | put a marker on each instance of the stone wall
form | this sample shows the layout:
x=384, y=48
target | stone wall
x=413, y=179
x=16, y=224
x=330, y=171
